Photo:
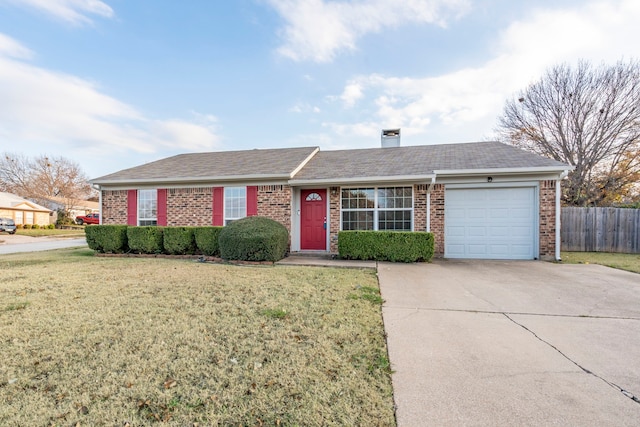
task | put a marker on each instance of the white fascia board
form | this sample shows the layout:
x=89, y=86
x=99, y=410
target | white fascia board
x=505, y=171
x=304, y=163
x=193, y=180
x=416, y=179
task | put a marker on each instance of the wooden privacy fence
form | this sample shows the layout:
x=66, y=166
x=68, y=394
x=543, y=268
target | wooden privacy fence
x=600, y=230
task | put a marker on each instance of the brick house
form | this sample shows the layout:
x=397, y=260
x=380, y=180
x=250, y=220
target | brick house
x=481, y=200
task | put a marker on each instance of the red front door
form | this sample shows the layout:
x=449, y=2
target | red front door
x=313, y=220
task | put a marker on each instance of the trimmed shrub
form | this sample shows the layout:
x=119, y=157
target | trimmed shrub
x=27, y=226
x=254, y=239
x=51, y=226
x=36, y=226
x=146, y=240
x=107, y=238
x=207, y=240
x=394, y=246
x=179, y=240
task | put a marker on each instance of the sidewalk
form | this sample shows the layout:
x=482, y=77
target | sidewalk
x=325, y=261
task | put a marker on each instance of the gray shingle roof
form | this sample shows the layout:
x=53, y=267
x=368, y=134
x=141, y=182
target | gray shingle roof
x=419, y=160
x=265, y=163
x=332, y=166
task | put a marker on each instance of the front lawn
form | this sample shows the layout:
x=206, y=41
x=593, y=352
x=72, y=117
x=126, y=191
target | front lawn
x=109, y=341
x=629, y=262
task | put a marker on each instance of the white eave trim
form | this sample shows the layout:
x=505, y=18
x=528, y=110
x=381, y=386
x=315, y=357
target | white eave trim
x=419, y=179
x=204, y=179
x=505, y=171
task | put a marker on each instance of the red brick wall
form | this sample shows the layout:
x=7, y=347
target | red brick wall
x=437, y=218
x=334, y=219
x=114, y=207
x=420, y=207
x=547, y=219
x=189, y=206
x=274, y=201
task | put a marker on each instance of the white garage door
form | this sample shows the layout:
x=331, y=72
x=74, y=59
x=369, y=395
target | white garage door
x=490, y=223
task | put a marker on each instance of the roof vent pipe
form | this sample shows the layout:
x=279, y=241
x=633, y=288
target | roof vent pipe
x=390, y=138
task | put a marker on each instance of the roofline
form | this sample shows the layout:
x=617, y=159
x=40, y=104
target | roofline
x=523, y=170
x=304, y=162
x=374, y=179
x=227, y=178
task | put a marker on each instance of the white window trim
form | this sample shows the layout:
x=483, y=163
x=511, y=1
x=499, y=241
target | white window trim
x=226, y=219
x=376, y=209
x=151, y=219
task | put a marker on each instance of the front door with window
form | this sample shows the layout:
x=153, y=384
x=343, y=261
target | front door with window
x=313, y=220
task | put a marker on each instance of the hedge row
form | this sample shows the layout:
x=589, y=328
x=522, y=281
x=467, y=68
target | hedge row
x=394, y=246
x=248, y=239
x=154, y=240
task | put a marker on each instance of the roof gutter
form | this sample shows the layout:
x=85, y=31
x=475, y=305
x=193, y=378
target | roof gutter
x=363, y=180
x=228, y=178
x=523, y=170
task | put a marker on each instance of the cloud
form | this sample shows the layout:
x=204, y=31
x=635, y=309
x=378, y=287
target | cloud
x=318, y=30
x=464, y=104
x=43, y=108
x=303, y=107
x=73, y=11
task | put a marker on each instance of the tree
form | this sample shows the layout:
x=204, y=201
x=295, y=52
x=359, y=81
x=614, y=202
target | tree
x=43, y=177
x=587, y=117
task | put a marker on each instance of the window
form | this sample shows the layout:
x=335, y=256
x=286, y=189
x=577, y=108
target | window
x=385, y=208
x=147, y=207
x=314, y=197
x=235, y=203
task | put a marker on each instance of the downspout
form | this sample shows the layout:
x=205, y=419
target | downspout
x=433, y=182
x=558, y=214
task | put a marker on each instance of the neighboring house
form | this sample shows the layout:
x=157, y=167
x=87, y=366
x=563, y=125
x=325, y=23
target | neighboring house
x=481, y=200
x=73, y=206
x=23, y=211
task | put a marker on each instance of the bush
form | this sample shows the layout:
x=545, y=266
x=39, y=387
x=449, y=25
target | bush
x=64, y=218
x=26, y=226
x=179, y=240
x=395, y=246
x=207, y=240
x=146, y=240
x=107, y=238
x=36, y=226
x=51, y=226
x=254, y=239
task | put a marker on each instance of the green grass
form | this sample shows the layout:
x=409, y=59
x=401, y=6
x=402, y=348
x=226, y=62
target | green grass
x=44, y=232
x=629, y=262
x=111, y=341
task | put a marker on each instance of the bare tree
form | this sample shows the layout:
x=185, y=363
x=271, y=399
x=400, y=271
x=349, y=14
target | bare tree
x=43, y=177
x=14, y=173
x=587, y=117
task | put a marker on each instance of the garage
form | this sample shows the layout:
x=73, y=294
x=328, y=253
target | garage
x=490, y=223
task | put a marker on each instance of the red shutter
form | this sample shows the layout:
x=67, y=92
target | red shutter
x=218, y=205
x=162, y=206
x=252, y=201
x=132, y=207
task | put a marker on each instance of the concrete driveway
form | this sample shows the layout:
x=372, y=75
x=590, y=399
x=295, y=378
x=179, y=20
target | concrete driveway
x=510, y=343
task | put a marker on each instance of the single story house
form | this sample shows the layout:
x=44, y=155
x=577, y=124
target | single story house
x=23, y=211
x=481, y=200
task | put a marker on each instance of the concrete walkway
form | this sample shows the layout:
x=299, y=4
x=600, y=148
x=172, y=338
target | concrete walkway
x=487, y=343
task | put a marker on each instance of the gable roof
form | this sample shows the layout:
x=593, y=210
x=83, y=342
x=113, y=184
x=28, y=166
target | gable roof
x=423, y=161
x=12, y=201
x=306, y=165
x=277, y=163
